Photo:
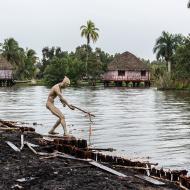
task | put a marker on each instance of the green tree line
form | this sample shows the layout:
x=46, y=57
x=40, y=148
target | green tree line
x=55, y=63
x=83, y=63
x=22, y=60
x=171, y=70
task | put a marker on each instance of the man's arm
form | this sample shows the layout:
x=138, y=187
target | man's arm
x=62, y=99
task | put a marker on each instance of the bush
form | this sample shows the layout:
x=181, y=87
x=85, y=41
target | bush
x=55, y=71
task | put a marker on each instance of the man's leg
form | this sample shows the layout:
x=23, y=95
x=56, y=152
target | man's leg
x=54, y=127
x=58, y=113
x=63, y=123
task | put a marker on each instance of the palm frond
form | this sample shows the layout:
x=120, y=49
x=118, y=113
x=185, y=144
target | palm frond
x=89, y=31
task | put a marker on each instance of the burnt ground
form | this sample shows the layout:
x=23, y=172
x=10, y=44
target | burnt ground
x=58, y=173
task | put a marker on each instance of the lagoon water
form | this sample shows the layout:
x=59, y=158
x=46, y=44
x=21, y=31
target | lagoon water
x=142, y=123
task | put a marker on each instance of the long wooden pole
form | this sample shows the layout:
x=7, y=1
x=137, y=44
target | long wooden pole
x=90, y=114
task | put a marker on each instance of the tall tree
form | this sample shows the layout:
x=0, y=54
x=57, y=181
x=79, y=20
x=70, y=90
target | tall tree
x=55, y=70
x=10, y=50
x=182, y=61
x=48, y=54
x=166, y=46
x=30, y=60
x=14, y=54
x=90, y=32
x=104, y=58
x=22, y=61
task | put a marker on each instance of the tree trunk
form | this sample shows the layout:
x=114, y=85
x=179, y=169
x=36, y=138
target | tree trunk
x=86, y=64
x=169, y=66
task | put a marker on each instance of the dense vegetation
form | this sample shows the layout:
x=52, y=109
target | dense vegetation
x=22, y=60
x=57, y=63
x=171, y=70
x=83, y=63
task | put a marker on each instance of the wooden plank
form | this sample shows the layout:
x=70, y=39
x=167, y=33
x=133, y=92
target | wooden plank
x=62, y=155
x=107, y=169
x=48, y=157
x=102, y=149
x=32, y=145
x=8, y=129
x=48, y=138
x=13, y=146
x=45, y=154
x=31, y=148
x=22, y=141
x=132, y=167
x=22, y=180
x=92, y=162
x=150, y=180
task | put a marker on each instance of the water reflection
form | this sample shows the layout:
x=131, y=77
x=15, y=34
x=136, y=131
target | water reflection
x=138, y=122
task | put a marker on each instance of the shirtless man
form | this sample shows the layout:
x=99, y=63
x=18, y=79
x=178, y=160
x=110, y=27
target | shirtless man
x=54, y=92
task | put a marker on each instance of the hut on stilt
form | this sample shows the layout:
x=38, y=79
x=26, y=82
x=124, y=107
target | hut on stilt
x=127, y=68
x=6, y=73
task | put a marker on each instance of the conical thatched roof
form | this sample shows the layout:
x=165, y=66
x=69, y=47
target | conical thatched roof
x=127, y=61
x=4, y=64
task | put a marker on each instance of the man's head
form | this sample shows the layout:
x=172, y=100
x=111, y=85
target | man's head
x=65, y=82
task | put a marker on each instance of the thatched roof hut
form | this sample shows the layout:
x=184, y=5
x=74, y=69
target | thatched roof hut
x=127, y=68
x=6, y=73
x=4, y=64
x=127, y=61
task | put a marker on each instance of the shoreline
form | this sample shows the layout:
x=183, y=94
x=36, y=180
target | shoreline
x=53, y=172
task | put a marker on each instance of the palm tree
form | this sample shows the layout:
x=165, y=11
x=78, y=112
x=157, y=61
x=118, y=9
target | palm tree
x=30, y=60
x=10, y=50
x=31, y=54
x=14, y=54
x=89, y=31
x=166, y=46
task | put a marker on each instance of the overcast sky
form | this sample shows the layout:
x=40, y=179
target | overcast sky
x=125, y=25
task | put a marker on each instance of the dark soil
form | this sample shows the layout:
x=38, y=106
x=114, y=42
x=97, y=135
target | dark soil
x=58, y=173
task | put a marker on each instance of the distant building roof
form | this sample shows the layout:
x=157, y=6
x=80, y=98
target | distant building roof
x=127, y=61
x=4, y=64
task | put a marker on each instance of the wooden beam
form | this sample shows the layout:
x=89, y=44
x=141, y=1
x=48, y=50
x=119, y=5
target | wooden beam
x=48, y=157
x=132, y=167
x=22, y=141
x=102, y=149
x=63, y=155
x=29, y=146
x=84, y=111
x=8, y=129
x=13, y=146
x=32, y=145
x=94, y=163
x=150, y=180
